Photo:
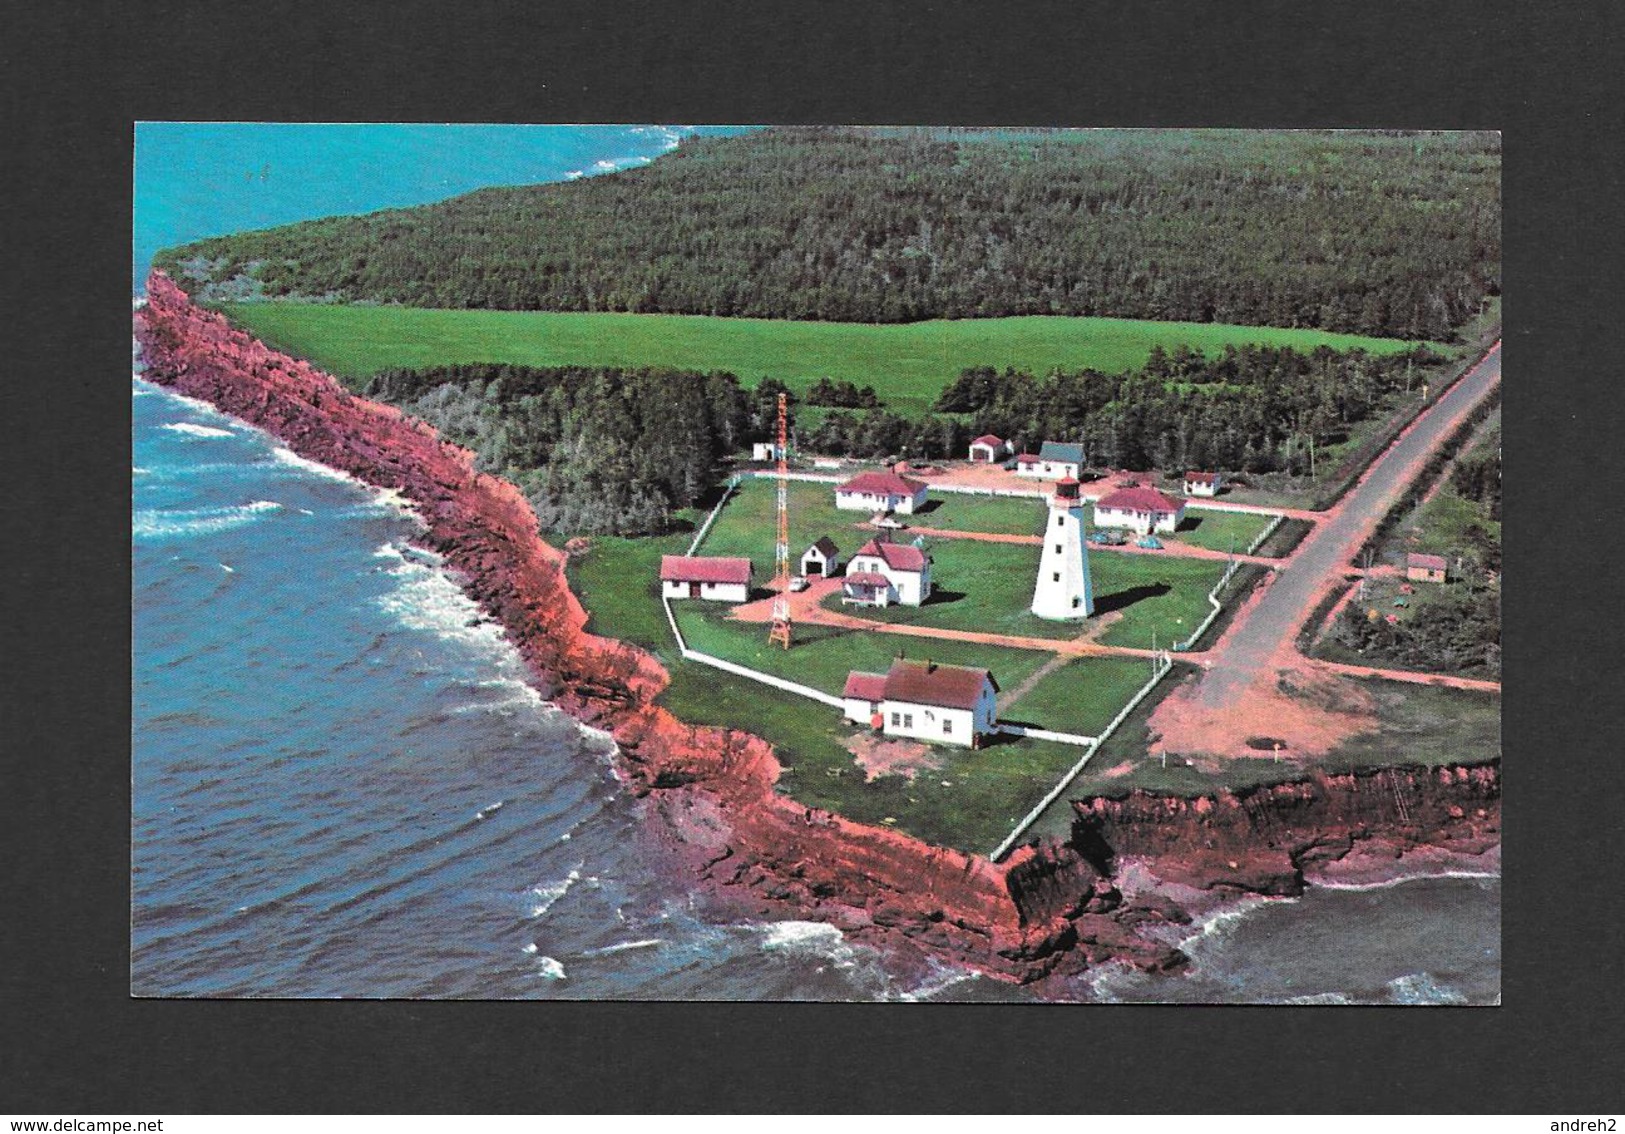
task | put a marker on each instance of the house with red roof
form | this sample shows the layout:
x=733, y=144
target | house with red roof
x=921, y=700
x=989, y=449
x=723, y=579
x=881, y=492
x=1139, y=509
x=1203, y=483
x=1426, y=568
x=887, y=574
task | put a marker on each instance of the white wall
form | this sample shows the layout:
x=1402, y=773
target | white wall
x=720, y=592
x=875, y=502
x=1136, y=521
x=926, y=723
x=1065, y=554
x=859, y=710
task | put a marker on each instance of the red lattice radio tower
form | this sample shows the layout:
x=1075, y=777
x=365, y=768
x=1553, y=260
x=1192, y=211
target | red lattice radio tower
x=780, y=631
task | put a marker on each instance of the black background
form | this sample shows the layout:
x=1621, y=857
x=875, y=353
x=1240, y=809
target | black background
x=75, y=79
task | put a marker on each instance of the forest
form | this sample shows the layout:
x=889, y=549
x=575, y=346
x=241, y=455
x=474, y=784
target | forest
x=1394, y=234
x=595, y=449
x=1248, y=409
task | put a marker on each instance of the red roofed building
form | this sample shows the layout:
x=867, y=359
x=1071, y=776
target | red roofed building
x=1203, y=483
x=695, y=576
x=945, y=704
x=881, y=492
x=884, y=574
x=1426, y=568
x=1140, y=509
x=988, y=449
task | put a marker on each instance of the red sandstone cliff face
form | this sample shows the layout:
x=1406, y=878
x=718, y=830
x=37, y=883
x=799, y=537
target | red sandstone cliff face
x=1048, y=909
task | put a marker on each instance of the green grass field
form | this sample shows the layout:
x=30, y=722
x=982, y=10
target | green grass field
x=907, y=364
x=988, y=587
x=1220, y=531
x=1082, y=696
x=958, y=512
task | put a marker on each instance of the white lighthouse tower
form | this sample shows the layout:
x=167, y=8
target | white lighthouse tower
x=1063, y=589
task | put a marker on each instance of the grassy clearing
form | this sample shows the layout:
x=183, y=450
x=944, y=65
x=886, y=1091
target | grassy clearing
x=907, y=364
x=1424, y=724
x=748, y=524
x=988, y=587
x=617, y=582
x=824, y=655
x=1082, y=696
x=957, y=512
x=1221, y=531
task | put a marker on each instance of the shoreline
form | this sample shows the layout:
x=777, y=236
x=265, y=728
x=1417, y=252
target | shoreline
x=1048, y=910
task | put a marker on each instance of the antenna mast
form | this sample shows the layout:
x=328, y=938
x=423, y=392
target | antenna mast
x=780, y=631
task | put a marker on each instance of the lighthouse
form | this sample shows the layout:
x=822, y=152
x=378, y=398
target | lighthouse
x=1063, y=589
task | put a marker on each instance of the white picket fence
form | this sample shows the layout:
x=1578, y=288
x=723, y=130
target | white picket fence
x=699, y=536
x=1268, y=531
x=1164, y=664
x=765, y=678
x=1045, y=734
x=1213, y=601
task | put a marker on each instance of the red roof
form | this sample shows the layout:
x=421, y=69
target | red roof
x=989, y=440
x=1202, y=477
x=865, y=686
x=698, y=569
x=1431, y=562
x=924, y=683
x=882, y=484
x=897, y=556
x=867, y=579
x=1137, y=499
x=1028, y=459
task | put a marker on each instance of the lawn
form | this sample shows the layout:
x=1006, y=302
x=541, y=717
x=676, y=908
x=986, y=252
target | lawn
x=958, y=512
x=988, y=587
x=1221, y=531
x=908, y=364
x=618, y=584
x=1082, y=696
x=748, y=524
x=823, y=655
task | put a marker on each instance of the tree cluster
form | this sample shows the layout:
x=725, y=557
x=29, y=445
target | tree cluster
x=1248, y=409
x=596, y=450
x=1478, y=478
x=1381, y=233
x=843, y=394
x=1456, y=632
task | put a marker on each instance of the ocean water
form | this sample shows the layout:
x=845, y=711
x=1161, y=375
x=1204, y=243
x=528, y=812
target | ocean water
x=343, y=788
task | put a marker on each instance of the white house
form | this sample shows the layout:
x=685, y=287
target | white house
x=988, y=449
x=1203, y=483
x=1053, y=461
x=887, y=574
x=764, y=451
x=944, y=704
x=700, y=577
x=881, y=492
x=822, y=559
x=1139, y=509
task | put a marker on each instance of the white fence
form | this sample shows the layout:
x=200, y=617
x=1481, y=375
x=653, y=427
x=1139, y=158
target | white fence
x=1164, y=664
x=1268, y=531
x=699, y=536
x=1045, y=734
x=765, y=679
x=1213, y=601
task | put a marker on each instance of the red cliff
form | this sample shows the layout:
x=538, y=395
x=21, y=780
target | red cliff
x=1049, y=908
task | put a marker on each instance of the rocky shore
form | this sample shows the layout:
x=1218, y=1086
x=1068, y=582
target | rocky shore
x=1050, y=908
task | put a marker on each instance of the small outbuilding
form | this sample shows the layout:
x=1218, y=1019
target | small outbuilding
x=921, y=700
x=822, y=559
x=1054, y=460
x=705, y=577
x=1203, y=483
x=881, y=492
x=887, y=574
x=1426, y=568
x=988, y=449
x=764, y=451
x=1139, y=509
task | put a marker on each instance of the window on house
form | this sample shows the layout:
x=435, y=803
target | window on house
x=1076, y=602
x=896, y=719
x=908, y=720
x=947, y=727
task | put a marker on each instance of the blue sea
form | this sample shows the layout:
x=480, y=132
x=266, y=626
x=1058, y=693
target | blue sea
x=342, y=786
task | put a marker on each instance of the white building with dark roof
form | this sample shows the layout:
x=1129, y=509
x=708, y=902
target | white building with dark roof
x=821, y=559
x=921, y=700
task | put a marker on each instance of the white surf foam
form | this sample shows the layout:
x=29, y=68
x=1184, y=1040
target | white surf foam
x=1405, y=879
x=549, y=968
x=157, y=523
x=624, y=946
x=1423, y=988
x=192, y=429
x=816, y=939
x=549, y=893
